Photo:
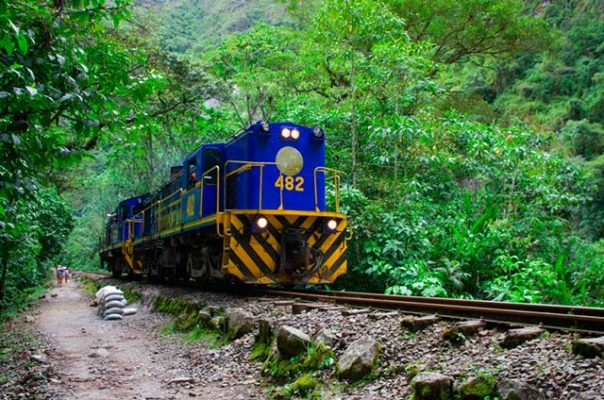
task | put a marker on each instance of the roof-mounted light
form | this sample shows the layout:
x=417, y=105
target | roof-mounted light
x=286, y=133
x=295, y=134
x=265, y=126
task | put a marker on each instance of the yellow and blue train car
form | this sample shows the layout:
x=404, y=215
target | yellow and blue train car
x=252, y=210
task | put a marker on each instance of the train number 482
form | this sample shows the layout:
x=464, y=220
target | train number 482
x=290, y=183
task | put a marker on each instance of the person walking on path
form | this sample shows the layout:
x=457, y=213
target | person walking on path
x=60, y=272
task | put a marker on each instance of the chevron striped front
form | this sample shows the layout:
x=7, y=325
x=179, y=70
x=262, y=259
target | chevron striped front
x=254, y=256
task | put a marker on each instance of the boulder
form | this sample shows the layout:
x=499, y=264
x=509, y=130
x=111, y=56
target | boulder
x=204, y=317
x=515, y=337
x=432, y=386
x=292, y=341
x=238, y=322
x=590, y=348
x=478, y=387
x=517, y=390
x=217, y=323
x=265, y=332
x=325, y=336
x=359, y=359
x=415, y=324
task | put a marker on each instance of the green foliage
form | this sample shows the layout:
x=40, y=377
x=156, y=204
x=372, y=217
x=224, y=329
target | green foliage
x=31, y=244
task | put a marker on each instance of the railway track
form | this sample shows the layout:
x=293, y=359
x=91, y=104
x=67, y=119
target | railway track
x=576, y=318
x=584, y=319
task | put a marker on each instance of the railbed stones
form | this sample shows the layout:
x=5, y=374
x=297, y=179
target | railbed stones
x=517, y=390
x=515, y=337
x=415, y=324
x=589, y=348
x=292, y=341
x=359, y=359
x=432, y=386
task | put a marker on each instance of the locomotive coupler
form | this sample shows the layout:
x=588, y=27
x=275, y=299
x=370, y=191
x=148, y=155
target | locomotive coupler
x=295, y=254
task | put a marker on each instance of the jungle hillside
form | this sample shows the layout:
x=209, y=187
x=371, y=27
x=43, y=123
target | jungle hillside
x=471, y=132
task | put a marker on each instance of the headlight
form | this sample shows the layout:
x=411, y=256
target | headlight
x=295, y=134
x=261, y=222
x=285, y=133
x=332, y=224
x=317, y=132
x=265, y=126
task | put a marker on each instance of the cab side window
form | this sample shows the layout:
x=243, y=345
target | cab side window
x=191, y=174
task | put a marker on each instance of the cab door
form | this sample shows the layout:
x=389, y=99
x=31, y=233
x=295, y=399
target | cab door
x=211, y=165
x=191, y=197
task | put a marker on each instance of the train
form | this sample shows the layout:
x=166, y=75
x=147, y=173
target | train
x=261, y=208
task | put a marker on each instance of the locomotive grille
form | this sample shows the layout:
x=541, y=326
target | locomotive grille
x=232, y=191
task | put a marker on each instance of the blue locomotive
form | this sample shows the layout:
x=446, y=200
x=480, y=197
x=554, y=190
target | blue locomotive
x=252, y=210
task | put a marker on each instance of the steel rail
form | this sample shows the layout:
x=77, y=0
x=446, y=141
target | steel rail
x=589, y=319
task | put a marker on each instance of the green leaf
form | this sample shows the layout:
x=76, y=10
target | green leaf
x=23, y=46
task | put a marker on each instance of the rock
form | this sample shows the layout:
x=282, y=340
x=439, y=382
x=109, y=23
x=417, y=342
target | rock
x=204, y=317
x=478, y=387
x=358, y=359
x=113, y=317
x=265, y=332
x=590, y=348
x=214, y=309
x=29, y=319
x=98, y=353
x=53, y=295
x=183, y=379
x=292, y=341
x=517, y=390
x=41, y=358
x=325, y=336
x=515, y=337
x=238, y=322
x=217, y=323
x=461, y=330
x=415, y=324
x=432, y=386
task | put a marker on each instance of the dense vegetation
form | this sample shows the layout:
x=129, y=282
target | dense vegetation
x=472, y=131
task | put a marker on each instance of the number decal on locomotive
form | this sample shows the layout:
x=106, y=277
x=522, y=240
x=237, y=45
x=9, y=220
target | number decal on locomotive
x=290, y=183
x=191, y=205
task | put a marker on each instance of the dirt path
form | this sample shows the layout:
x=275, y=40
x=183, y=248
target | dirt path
x=126, y=359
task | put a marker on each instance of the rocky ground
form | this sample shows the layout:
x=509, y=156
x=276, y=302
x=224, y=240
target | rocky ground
x=81, y=356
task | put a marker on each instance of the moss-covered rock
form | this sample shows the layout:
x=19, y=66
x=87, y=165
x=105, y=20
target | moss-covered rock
x=292, y=341
x=238, y=322
x=432, y=386
x=589, y=348
x=478, y=387
x=304, y=385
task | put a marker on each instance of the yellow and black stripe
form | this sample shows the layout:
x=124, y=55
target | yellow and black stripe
x=254, y=257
